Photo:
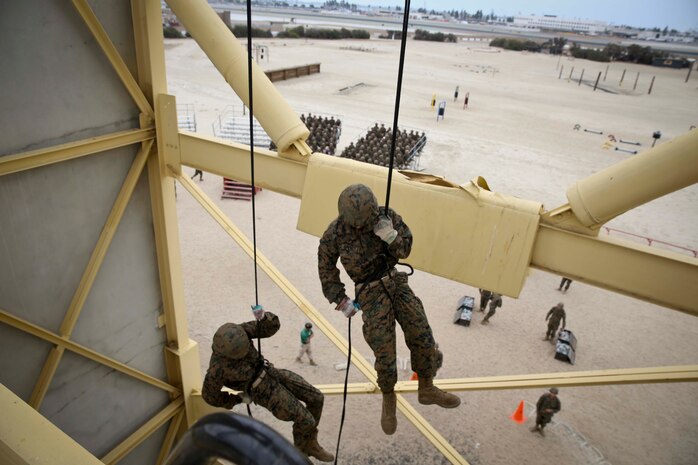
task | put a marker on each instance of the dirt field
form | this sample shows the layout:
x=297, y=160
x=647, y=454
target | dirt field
x=518, y=134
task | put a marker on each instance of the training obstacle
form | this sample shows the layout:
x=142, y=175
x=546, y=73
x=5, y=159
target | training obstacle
x=594, y=131
x=629, y=142
x=626, y=150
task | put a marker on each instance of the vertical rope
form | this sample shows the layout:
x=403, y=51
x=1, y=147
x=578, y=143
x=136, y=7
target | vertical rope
x=344, y=399
x=251, y=106
x=403, y=43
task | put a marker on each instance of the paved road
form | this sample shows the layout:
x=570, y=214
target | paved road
x=308, y=16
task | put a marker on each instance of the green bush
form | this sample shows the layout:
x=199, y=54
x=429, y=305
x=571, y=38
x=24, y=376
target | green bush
x=329, y=34
x=171, y=33
x=240, y=31
x=516, y=45
x=421, y=34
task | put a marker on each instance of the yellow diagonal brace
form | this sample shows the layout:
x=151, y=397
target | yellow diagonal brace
x=142, y=433
x=113, y=55
x=34, y=330
x=58, y=153
x=320, y=321
x=88, y=276
x=170, y=437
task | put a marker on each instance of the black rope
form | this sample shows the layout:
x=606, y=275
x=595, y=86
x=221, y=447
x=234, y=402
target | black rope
x=251, y=107
x=252, y=187
x=403, y=43
x=344, y=400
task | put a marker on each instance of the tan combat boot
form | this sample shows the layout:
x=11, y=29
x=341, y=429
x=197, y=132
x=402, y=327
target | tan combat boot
x=313, y=449
x=388, y=419
x=429, y=394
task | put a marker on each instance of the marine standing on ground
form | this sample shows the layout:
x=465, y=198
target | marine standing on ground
x=494, y=303
x=369, y=241
x=306, y=336
x=485, y=297
x=236, y=364
x=198, y=173
x=553, y=318
x=548, y=405
x=566, y=283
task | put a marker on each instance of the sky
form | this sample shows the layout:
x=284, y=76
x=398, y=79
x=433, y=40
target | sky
x=681, y=15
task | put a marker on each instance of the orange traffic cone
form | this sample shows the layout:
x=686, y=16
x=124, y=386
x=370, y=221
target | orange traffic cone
x=518, y=416
x=414, y=376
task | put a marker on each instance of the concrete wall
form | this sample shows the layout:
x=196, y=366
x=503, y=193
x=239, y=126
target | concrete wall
x=58, y=87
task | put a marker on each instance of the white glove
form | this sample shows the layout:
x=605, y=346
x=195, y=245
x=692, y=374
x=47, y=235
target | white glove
x=257, y=311
x=348, y=307
x=246, y=399
x=384, y=229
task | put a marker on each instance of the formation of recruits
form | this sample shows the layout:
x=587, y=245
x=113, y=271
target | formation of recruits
x=324, y=133
x=369, y=241
x=374, y=147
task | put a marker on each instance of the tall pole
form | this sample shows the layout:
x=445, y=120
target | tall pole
x=621, y=79
x=561, y=68
x=580, y=78
x=651, y=84
x=597, y=81
x=636, y=78
x=690, y=68
x=604, y=74
x=571, y=71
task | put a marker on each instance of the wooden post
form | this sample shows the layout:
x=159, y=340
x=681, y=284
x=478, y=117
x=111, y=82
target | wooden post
x=580, y=78
x=597, y=81
x=621, y=79
x=690, y=68
x=604, y=74
x=571, y=71
x=561, y=68
x=651, y=84
x=636, y=78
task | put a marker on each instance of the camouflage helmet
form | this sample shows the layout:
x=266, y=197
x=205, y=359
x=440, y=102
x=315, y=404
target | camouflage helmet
x=358, y=206
x=231, y=341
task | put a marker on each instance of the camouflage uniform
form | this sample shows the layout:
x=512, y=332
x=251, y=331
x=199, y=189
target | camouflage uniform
x=485, y=297
x=367, y=259
x=494, y=303
x=547, y=401
x=554, y=316
x=279, y=390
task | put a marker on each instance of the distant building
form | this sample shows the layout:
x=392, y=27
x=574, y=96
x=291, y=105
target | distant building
x=554, y=23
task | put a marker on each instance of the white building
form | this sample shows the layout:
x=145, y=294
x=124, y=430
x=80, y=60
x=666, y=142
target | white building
x=554, y=23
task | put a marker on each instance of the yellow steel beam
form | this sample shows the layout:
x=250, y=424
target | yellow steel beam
x=28, y=438
x=30, y=328
x=170, y=437
x=228, y=56
x=642, y=272
x=639, y=271
x=58, y=153
x=318, y=319
x=670, y=374
x=88, y=276
x=142, y=433
x=232, y=160
x=181, y=355
x=113, y=56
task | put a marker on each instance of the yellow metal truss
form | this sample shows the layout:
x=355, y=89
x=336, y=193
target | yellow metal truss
x=559, y=231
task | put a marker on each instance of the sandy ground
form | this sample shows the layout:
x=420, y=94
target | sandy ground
x=518, y=134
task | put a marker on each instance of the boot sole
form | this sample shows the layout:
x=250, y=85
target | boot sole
x=431, y=402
